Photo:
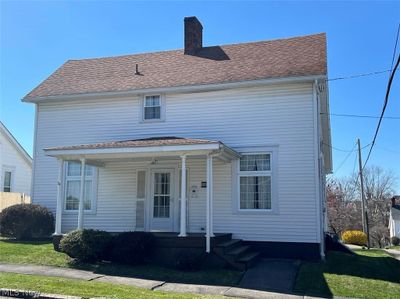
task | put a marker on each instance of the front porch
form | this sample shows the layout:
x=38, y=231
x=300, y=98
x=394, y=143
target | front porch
x=159, y=199
x=224, y=251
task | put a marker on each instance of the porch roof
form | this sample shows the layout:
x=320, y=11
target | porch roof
x=149, y=147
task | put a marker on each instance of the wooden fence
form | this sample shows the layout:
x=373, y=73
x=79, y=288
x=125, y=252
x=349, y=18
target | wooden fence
x=12, y=198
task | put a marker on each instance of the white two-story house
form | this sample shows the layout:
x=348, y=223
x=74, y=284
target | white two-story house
x=231, y=139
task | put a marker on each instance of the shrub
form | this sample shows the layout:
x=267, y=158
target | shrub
x=395, y=241
x=26, y=222
x=131, y=247
x=354, y=237
x=86, y=245
x=189, y=261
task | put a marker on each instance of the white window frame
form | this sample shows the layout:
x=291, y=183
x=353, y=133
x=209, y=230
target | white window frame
x=67, y=178
x=4, y=170
x=162, y=108
x=272, y=173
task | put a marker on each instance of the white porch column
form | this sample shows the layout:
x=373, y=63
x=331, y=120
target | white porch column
x=81, y=194
x=211, y=190
x=59, y=198
x=209, y=205
x=183, y=198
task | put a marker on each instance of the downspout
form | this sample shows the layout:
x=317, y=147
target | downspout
x=317, y=149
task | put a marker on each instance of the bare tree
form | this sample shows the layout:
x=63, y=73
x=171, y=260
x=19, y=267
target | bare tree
x=343, y=210
x=344, y=202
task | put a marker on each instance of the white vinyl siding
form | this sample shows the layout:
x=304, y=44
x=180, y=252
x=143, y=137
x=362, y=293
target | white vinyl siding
x=12, y=160
x=282, y=114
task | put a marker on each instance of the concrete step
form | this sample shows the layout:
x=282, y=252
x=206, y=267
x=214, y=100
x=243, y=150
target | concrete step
x=239, y=251
x=249, y=259
x=226, y=246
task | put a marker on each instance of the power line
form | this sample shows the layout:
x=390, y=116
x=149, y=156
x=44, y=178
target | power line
x=338, y=149
x=387, y=149
x=395, y=47
x=359, y=75
x=383, y=109
x=342, y=150
x=360, y=116
x=345, y=159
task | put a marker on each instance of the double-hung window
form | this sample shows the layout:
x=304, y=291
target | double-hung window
x=73, y=183
x=152, y=108
x=7, y=181
x=255, y=181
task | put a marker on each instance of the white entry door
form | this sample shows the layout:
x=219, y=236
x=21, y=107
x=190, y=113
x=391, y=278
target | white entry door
x=162, y=199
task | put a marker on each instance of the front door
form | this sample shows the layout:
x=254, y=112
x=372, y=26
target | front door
x=162, y=191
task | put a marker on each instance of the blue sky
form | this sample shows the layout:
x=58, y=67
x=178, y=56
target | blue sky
x=37, y=37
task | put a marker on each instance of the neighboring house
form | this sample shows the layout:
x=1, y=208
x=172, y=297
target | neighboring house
x=211, y=140
x=394, y=218
x=15, y=164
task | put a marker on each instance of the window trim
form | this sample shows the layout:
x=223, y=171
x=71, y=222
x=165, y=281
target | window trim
x=162, y=108
x=272, y=173
x=5, y=169
x=93, y=206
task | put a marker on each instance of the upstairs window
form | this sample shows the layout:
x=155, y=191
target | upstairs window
x=152, y=107
x=255, y=177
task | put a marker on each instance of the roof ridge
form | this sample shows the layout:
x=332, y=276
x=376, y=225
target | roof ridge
x=181, y=49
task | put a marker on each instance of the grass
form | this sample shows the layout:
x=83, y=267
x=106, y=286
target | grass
x=394, y=247
x=368, y=274
x=38, y=253
x=86, y=289
x=42, y=253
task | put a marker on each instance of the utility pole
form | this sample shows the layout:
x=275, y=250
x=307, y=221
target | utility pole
x=363, y=205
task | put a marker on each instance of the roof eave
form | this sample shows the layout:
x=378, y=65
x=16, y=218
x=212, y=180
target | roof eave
x=144, y=151
x=176, y=89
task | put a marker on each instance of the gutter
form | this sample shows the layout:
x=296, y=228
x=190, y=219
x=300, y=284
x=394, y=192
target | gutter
x=177, y=89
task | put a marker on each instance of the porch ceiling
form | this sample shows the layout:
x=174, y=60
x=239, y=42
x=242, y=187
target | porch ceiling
x=144, y=149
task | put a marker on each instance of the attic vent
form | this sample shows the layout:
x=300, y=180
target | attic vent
x=137, y=70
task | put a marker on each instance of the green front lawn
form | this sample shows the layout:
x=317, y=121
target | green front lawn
x=394, y=247
x=38, y=253
x=368, y=274
x=86, y=289
x=42, y=253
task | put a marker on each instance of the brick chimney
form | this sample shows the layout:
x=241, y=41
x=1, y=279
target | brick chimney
x=193, y=35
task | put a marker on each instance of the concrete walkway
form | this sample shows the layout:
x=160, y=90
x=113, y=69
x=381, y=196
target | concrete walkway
x=169, y=287
x=394, y=253
x=272, y=275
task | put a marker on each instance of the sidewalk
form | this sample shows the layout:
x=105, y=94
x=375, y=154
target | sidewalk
x=394, y=253
x=154, y=285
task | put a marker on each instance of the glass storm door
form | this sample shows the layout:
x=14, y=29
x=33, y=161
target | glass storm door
x=162, y=201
